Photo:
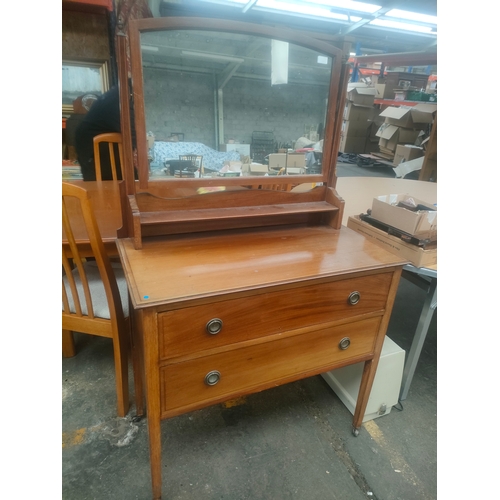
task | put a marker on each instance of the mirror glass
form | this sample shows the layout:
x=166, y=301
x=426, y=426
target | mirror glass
x=81, y=77
x=241, y=104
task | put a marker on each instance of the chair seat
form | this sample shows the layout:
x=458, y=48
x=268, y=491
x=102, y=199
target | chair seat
x=97, y=292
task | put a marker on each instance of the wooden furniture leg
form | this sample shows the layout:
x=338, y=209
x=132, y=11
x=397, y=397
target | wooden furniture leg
x=68, y=344
x=121, y=350
x=151, y=356
x=137, y=358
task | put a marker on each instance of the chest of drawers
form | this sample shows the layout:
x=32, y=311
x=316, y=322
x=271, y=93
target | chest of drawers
x=220, y=316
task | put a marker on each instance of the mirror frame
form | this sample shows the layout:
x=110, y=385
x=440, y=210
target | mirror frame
x=335, y=96
x=102, y=66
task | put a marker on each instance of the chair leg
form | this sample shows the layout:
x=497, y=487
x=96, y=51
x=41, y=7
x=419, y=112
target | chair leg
x=121, y=350
x=137, y=367
x=68, y=344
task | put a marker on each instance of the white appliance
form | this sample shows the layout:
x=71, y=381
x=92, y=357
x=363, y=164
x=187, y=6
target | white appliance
x=243, y=149
x=345, y=382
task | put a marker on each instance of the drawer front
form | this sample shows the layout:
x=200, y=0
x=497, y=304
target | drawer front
x=185, y=330
x=261, y=366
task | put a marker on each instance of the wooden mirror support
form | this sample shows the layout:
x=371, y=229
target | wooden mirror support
x=179, y=205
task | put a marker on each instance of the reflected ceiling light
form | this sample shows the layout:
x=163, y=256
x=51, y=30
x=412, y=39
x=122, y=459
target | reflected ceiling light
x=412, y=16
x=149, y=48
x=306, y=9
x=206, y=55
x=350, y=5
x=386, y=23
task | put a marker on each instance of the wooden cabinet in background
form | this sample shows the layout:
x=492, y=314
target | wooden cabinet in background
x=393, y=78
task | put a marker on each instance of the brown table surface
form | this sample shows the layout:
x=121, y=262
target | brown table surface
x=105, y=197
x=358, y=193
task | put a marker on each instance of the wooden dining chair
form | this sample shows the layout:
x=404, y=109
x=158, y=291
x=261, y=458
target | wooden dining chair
x=196, y=160
x=94, y=295
x=278, y=186
x=111, y=139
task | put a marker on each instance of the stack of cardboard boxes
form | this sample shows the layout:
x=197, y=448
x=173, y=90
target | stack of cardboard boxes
x=358, y=113
x=293, y=163
x=402, y=126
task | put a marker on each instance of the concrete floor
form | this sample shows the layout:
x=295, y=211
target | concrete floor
x=290, y=442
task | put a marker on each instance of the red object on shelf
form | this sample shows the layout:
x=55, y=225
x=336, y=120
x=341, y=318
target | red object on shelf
x=392, y=102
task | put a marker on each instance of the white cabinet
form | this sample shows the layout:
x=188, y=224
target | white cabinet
x=243, y=149
x=386, y=386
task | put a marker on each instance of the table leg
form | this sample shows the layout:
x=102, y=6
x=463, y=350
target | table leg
x=428, y=309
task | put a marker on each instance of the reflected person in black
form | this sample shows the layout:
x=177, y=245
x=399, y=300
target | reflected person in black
x=103, y=117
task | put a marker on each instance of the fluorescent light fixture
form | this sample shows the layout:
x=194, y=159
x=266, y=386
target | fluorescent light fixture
x=412, y=16
x=206, y=55
x=149, y=48
x=307, y=10
x=350, y=5
x=279, y=62
x=386, y=23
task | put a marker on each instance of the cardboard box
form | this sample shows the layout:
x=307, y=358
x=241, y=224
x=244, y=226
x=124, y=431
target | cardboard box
x=277, y=160
x=355, y=113
x=379, y=90
x=416, y=255
x=258, y=169
x=421, y=223
x=295, y=171
x=352, y=144
x=406, y=116
x=296, y=160
x=359, y=128
x=391, y=135
x=407, y=152
x=360, y=94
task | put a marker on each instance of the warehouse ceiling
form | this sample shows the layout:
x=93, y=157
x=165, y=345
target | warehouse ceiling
x=370, y=33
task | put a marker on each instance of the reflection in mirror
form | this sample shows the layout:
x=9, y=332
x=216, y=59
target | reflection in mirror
x=241, y=102
x=80, y=78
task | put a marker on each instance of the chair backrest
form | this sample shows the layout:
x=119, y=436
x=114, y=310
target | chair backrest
x=278, y=187
x=111, y=139
x=196, y=161
x=76, y=277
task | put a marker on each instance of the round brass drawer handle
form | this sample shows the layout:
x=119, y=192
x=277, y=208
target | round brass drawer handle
x=214, y=326
x=353, y=298
x=211, y=378
x=345, y=343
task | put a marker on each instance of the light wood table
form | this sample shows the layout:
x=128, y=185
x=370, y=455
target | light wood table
x=358, y=193
x=105, y=196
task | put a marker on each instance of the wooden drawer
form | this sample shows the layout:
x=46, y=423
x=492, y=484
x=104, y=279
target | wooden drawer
x=260, y=366
x=184, y=331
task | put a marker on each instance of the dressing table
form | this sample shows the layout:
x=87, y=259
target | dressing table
x=241, y=290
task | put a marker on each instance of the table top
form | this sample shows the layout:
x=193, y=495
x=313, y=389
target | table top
x=357, y=192
x=170, y=269
x=105, y=196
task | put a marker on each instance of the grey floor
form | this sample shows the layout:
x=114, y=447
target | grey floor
x=290, y=442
